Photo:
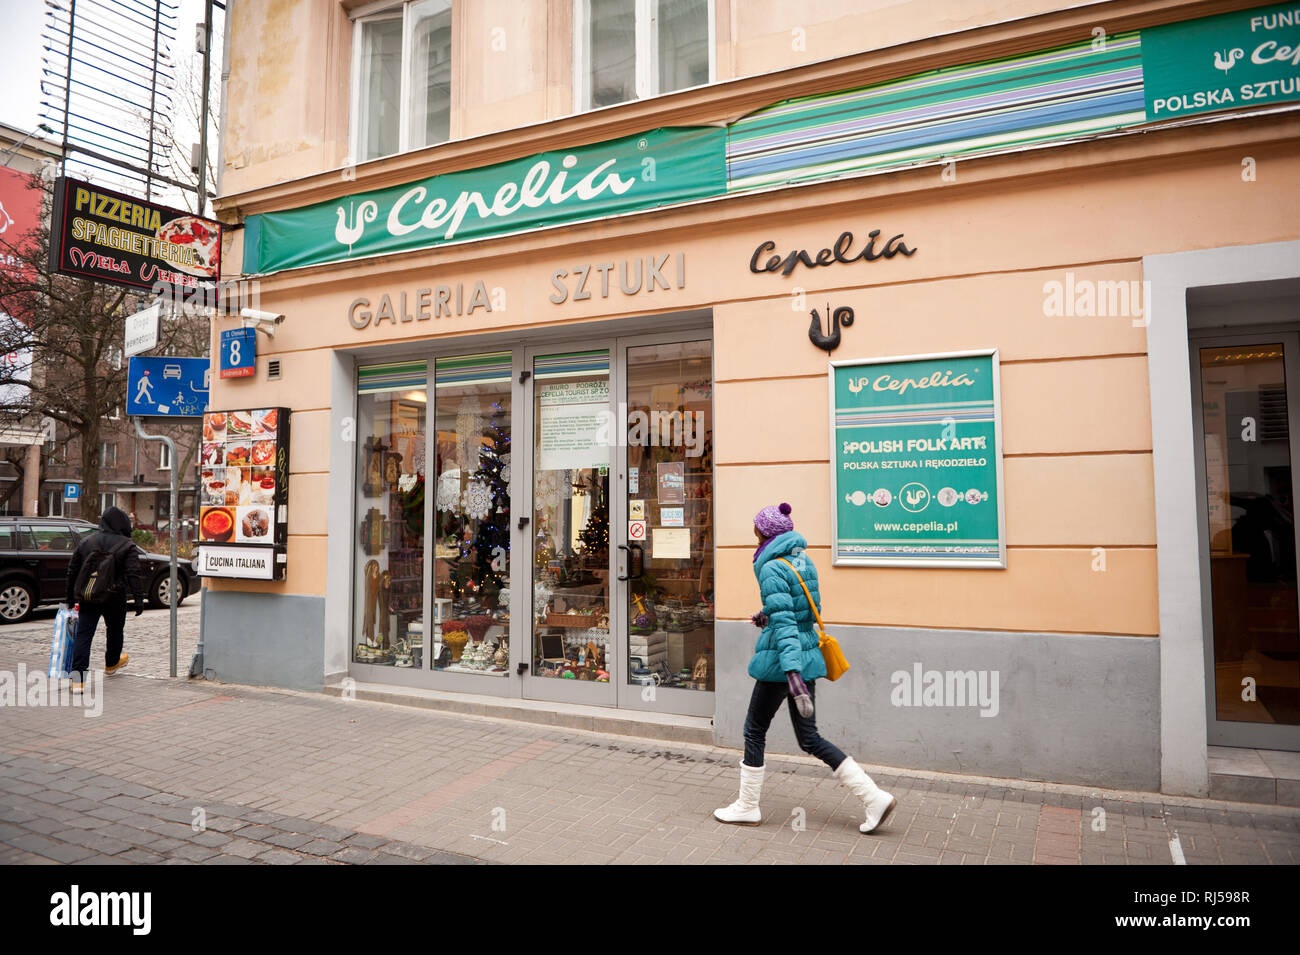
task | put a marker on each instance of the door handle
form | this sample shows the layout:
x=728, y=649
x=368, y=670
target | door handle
x=635, y=559
x=523, y=522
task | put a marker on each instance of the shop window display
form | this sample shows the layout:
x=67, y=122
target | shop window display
x=472, y=513
x=571, y=517
x=388, y=609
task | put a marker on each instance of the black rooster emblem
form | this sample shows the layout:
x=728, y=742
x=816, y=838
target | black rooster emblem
x=828, y=343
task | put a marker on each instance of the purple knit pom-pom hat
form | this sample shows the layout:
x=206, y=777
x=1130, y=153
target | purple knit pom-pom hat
x=774, y=519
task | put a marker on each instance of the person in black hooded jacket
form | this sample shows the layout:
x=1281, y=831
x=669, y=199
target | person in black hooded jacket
x=114, y=525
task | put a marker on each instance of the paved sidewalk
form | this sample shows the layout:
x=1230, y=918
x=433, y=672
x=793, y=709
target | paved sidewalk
x=283, y=776
x=147, y=642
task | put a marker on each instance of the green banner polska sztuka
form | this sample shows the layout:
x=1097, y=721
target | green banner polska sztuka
x=655, y=168
x=1247, y=58
x=916, y=461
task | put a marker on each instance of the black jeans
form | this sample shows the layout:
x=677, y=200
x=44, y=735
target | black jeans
x=114, y=614
x=763, y=704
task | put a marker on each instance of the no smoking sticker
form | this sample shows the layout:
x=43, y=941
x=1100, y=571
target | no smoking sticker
x=636, y=530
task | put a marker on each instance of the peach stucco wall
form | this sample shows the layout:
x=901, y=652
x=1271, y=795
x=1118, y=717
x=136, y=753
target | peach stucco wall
x=1076, y=420
x=288, y=96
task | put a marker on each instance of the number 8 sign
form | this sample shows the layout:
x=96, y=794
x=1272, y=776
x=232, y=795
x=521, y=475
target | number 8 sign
x=238, y=353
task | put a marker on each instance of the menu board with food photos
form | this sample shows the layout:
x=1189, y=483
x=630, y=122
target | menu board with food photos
x=244, y=493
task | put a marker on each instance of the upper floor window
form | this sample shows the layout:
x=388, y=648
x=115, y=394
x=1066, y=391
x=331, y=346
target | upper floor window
x=628, y=49
x=401, y=78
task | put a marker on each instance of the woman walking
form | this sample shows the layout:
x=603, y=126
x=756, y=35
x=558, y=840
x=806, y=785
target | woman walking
x=786, y=664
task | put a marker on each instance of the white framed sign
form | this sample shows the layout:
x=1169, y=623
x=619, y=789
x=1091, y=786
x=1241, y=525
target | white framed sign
x=142, y=330
x=239, y=563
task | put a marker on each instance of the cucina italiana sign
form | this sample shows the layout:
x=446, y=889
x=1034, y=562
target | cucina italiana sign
x=661, y=167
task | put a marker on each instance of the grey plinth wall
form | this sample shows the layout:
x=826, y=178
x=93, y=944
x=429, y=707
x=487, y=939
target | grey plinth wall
x=1071, y=708
x=265, y=639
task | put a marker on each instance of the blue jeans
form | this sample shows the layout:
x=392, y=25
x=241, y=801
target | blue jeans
x=114, y=614
x=763, y=704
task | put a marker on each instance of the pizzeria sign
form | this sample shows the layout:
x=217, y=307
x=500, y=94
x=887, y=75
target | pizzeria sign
x=99, y=234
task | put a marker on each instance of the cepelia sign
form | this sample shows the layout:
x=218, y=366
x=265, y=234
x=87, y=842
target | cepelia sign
x=99, y=234
x=656, y=168
x=1246, y=58
x=244, y=488
x=916, y=461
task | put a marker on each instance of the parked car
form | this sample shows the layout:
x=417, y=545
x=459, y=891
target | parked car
x=34, y=557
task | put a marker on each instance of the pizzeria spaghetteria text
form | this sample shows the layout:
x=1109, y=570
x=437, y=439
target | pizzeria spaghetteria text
x=126, y=239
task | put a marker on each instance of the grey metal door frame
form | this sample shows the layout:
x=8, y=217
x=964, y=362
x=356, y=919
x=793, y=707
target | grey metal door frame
x=1230, y=732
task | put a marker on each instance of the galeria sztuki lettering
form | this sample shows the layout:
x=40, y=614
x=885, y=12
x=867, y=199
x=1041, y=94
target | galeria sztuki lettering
x=99, y=234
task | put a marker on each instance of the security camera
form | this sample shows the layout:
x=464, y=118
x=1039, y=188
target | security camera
x=262, y=321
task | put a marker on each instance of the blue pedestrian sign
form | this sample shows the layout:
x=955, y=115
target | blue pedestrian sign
x=167, y=387
x=238, y=352
x=71, y=493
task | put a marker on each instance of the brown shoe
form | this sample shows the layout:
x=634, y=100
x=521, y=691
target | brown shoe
x=121, y=662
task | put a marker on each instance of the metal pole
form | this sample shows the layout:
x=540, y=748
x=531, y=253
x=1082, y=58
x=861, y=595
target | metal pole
x=203, y=112
x=171, y=594
x=67, y=86
x=153, y=98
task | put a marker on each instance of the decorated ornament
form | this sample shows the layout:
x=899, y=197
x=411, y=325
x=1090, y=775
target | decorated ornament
x=477, y=500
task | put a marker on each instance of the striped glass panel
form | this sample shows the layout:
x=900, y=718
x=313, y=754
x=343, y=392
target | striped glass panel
x=572, y=363
x=394, y=376
x=472, y=370
x=1066, y=92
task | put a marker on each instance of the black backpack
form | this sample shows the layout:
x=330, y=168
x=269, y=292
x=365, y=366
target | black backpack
x=98, y=576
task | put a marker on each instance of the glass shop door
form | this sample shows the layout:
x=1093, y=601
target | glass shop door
x=666, y=522
x=571, y=427
x=1247, y=394
x=621, y=524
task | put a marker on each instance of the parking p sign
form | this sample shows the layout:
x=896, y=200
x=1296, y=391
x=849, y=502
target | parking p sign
x=71, y=493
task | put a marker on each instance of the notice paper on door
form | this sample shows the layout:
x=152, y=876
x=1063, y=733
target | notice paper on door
x=673, y=543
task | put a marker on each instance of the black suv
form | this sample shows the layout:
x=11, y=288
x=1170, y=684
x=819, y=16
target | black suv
x=34, y=557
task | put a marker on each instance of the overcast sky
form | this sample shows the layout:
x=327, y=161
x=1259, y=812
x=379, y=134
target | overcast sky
x=20, y=64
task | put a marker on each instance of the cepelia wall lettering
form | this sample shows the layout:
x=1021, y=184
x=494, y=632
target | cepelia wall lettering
x=438, y=301
x=631, y=275
x=841, y=251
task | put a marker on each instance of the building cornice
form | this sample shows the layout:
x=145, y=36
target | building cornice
x=724, y=102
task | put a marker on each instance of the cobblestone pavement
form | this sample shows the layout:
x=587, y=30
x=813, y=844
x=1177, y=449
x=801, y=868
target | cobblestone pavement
x=299, y=777
x=148, y=639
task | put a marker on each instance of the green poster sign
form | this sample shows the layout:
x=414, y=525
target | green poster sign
x=1247, y=58
x=623, y=175
x=916, y=461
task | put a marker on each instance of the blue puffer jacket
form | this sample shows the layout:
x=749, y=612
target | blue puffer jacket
x=789, y=641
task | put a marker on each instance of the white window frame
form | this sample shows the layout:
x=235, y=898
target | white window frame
x=647, y=54
x=53, y=500
x=164, y=457
x=107, y=499
x=103, y=448
x=387, y=10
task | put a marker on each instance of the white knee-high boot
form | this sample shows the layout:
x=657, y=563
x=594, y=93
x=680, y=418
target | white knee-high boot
x=878, y=803
x=744, y=810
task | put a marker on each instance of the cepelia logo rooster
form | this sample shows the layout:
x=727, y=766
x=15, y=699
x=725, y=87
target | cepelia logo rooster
x=1227, y=59
x=346, y=233
x=5, y=219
